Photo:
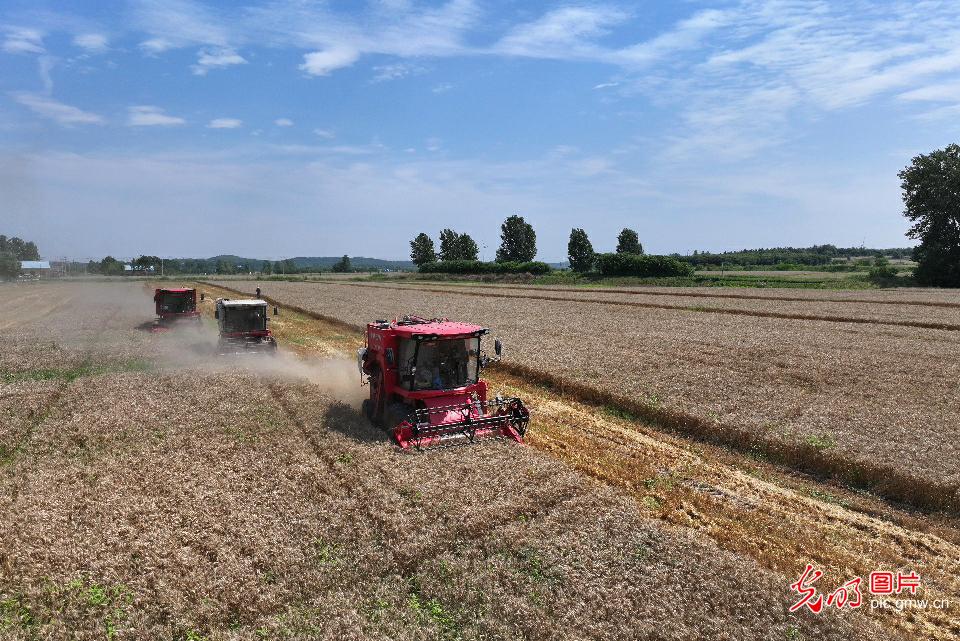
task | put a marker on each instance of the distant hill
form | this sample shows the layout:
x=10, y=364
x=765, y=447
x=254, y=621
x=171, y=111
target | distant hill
x=326, y=262
x=317, y=262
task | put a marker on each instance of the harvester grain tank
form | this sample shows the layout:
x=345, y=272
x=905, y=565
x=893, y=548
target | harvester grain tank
x=243, y=326
x=174, y=305
x=425, y=385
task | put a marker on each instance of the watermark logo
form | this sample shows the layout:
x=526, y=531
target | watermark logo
x=881, y=585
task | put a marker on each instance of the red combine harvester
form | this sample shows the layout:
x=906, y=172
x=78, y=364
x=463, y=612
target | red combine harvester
x=425, y=385
x=174, y=305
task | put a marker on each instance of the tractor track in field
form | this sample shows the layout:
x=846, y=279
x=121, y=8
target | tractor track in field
x=408, y=563
x=683, y=308
x=776, y=516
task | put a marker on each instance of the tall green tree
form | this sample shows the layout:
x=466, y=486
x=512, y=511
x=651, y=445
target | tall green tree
x=518, y=241
x=146, y=262
x=628, y=242
x=466, y=248
x=267, y=268
x=422, y=250
x=448, y=244
x=110, y=266
x=9, y=265
x=931, y=198
x=225, y=267
x=29, y=252
x=580, y=251
x=454, y=246
x=342, y=265
x=19, y=248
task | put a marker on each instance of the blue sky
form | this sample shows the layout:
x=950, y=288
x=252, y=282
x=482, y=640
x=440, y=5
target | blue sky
x=275, y=129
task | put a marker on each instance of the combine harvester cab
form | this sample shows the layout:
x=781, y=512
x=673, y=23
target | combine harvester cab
x=174, y=305
x=425, y=385
x=243, y=327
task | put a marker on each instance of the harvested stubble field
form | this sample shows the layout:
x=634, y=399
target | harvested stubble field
x=876, y=405
x=146, y=494
x=748, y=507
x=907, y=312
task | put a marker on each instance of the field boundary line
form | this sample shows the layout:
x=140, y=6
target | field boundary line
x=884, y=481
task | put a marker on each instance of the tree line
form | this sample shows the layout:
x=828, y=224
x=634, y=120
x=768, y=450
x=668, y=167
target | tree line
x=931, y=196
x=816, y=255
x=518, y=244
x=110, y=266
x=518, y=247
x=12, y=252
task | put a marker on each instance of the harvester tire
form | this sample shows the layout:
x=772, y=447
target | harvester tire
x=395, y=414
x=377, y=400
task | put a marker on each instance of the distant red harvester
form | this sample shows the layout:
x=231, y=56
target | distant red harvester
x=175, y=304
x=425, y=385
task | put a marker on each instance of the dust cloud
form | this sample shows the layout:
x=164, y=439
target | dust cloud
x=193, y=346
x=111, y=323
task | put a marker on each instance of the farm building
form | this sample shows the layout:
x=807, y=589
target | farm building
x=39, y=268
x=138, y=270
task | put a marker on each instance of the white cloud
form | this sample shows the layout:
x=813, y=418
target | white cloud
x=332, y=39
x=434, y=144
x=945, y=92
x=178, y=23
x=443, y=87
x=215, y=59
x=591, y=166
x=321, y=63
x=685, y=35
x=383, y=73
x=91, y=42
x=156, y=45
x=44, y=66
x=755, y=74
x=150, y=116
x=57, y=111
x=324, y=133
x=22, y=40
x=225, y=123
x=561, y=33
x=283, y=122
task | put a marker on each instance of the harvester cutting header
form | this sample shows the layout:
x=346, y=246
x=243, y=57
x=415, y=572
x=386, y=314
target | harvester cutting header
x=425, y=385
